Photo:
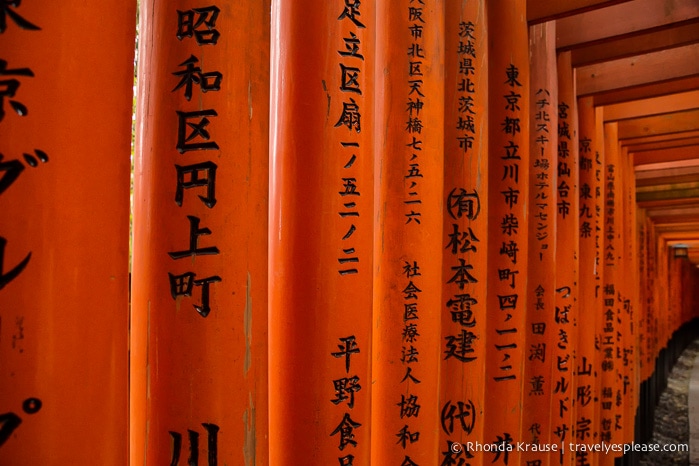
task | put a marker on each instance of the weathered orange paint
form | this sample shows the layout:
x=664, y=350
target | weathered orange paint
x=321, y=232
x=591, y=198
x=194, y=372
x=508, y=172
x=465, y=236
x=611, y=291
x=540, y=374
x=408, y=248
x=567, y=262
x=64, y=235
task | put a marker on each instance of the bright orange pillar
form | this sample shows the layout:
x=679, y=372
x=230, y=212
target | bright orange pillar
x=321, y=232
x=590, y=195
x=465, y=233
x=627, y=358
x=508, y=185
x=540, y=335
x=611, y=290
x=199, y=308
x=408, y=307
x=566, y=396
x=65, y=110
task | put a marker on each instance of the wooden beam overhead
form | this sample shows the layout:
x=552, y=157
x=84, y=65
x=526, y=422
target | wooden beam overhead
x=680, y=34
x=667, y=177
x=668, y=123
x=653, y=106
x=539, y=11
x=681, y=227
x=670, y=196
x=622, y=19
x=667, y=144
x=666, y=155
x=661, y=138
x=646, y=91
x=639, y=70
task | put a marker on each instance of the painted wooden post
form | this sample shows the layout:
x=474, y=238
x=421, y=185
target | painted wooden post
x=539, y=378
x=508, y=175
x=65, y=108
x=567, y=319
x=629, y=311
x=321, y=225
x=407, y=339
x=591, y=163
x=610, y=290
x=465, y=233
x=199, y=346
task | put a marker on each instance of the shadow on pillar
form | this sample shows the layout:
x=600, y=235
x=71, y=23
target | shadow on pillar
x=653, y=387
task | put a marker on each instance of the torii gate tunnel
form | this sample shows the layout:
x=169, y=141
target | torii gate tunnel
x=390, y=233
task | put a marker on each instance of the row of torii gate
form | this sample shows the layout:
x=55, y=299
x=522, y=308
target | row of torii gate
x=363, y=233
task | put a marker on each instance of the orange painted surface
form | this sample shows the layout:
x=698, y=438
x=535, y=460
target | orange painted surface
x=64, y=197
x=610, y=345
x=408, y=243
x=321, y=224
x=590, y=195
x=199, y=310
x=465, y=232
x=508, y=178
x=541, y=375
x=566, y=318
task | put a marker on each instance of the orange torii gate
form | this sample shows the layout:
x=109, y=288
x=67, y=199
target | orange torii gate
x=362, y=234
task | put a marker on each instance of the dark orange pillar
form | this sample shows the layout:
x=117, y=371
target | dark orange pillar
x=321, y=232
x=566, y=397
x=590, y=195
x=508, y=178
x=407, y=340
x=65, y=111
x=465, y=234
x=540, y=333
x=609, y=344
x=199, y=347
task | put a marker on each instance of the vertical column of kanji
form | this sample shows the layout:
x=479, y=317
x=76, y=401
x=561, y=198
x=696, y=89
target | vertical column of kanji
x=321, y=226
x=652, y=301
x=465, y=231
x=662, y=290
x=590, y=195
x=66, y=77
x=629, y=258
x=538, y=404
x=611, y=302
x=565, y=391
x=508, y=177
x=408, y=240
x=642, y=318
x=642, y=281
x=200, y=248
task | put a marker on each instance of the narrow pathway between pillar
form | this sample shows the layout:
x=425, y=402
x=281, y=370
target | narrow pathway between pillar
x=672, y=423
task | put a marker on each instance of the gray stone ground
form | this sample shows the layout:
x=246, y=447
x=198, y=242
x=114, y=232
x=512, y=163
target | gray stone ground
x=671, y=415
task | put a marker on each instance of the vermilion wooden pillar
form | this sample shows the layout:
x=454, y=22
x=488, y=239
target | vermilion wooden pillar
x=566, y=318
x=611, y=291
x=629, y=311
x=508, y=178
x=199, y=309
x=65, y=107
x=540, y=377
x=465, y=242
x=321, y=232
x=408, y=307
x=590, y=195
